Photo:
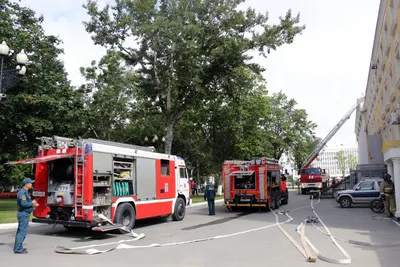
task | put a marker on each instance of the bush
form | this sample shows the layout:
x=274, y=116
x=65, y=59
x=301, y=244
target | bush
x=8, y=195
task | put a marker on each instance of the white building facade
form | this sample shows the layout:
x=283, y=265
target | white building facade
x=326, y=159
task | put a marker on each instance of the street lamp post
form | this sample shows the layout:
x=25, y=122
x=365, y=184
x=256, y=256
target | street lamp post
x=9, y=78
x=154, y=140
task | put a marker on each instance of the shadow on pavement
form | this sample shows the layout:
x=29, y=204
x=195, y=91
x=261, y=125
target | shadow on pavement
x=215, y=222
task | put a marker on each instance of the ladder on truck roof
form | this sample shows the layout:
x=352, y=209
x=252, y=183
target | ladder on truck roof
x=59, y=142
x=335, y=129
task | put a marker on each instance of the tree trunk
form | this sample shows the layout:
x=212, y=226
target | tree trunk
x=169, y=136
x=198, y=172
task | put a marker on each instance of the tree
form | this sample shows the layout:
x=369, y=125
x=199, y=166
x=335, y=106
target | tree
x=352, y=161
x=109, y=90
x=42, y=104
x=341, y=161
x=302, y=148
x=187, y=51
x=288, y=128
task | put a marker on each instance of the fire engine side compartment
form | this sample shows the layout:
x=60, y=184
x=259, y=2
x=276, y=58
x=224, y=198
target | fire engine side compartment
x=155, y=187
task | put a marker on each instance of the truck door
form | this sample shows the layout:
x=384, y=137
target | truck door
x=166, y=182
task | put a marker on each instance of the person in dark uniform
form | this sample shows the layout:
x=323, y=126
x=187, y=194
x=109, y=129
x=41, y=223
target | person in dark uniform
x=25, y=208
x=209, y=195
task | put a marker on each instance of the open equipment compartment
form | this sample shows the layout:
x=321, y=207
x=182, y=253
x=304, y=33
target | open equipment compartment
x=61, y=181
x=123, y=176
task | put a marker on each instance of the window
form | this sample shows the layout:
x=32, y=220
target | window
x=398, y=65
x=367, y=186
x=312, y=171
x=183, y=173
x=164, y=167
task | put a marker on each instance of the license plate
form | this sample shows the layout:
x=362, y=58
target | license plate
x=38, y=194
x=245, y=200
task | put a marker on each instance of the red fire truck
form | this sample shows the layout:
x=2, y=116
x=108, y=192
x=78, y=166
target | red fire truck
x=312, y=178
x=255, y=183
x=85, y=183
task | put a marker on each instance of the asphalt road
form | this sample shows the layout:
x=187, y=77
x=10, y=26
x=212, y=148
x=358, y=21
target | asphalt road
x=268, y=247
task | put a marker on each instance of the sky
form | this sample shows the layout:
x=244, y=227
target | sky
x=325, y=69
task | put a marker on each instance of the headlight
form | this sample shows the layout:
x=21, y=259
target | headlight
x=319, y=185
x=303, y=185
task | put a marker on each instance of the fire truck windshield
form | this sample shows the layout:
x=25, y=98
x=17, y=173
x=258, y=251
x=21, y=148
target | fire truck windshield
x=314, y=171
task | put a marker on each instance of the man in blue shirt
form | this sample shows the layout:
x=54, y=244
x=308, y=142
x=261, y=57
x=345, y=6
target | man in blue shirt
x=25, y=208
x=209, y=195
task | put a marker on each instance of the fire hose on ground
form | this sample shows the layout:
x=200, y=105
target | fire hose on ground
x=88, y=250
x=304, y=248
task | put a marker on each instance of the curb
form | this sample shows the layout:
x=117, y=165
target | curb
x=10, y=226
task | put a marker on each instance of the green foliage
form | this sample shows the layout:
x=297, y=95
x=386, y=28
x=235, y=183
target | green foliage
x=303, y=146
x=178, y=69
x=13, y=175
x=44, y=102
x=341, y=160
x=188, y=51
x=352, y=161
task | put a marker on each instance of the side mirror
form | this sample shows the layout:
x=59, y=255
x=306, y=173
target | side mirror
x=323, y=171
x=357, y=188
x=298, y=172
x=286, y=172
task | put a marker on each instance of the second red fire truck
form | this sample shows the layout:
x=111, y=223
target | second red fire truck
x=90, y=183
x=313, y=178
x=254, y=183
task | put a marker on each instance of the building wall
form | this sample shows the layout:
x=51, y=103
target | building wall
x=361, y=136
x=375, y=149
x=326, y=160
x=382, y=94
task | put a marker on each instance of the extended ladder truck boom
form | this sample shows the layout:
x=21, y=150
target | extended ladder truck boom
x=311, y=178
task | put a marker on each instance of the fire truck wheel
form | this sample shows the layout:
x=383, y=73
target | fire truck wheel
x=126, y=216
x=276, y=200
x=180, y=210
x=285, y=199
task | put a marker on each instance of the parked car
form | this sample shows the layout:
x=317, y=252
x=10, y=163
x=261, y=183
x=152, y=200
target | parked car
x=362, y=193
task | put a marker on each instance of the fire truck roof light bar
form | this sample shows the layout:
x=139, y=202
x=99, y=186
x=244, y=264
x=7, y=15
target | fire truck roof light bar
x=323, y=143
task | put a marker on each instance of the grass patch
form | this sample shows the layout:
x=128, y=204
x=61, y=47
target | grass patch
x=198, y=199
x=8, y=211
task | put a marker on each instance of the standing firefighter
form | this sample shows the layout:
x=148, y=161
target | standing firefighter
x=209, y=195
x=25, y=208
x=387, y=195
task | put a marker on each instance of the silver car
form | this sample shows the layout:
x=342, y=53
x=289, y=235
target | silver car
x=362, y=193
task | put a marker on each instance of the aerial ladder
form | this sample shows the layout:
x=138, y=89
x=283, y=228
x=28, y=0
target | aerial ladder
x=314, y=154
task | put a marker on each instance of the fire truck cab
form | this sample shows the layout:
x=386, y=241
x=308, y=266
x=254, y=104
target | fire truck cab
x=255, y=183
x=311, y=180
x=104, y=185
